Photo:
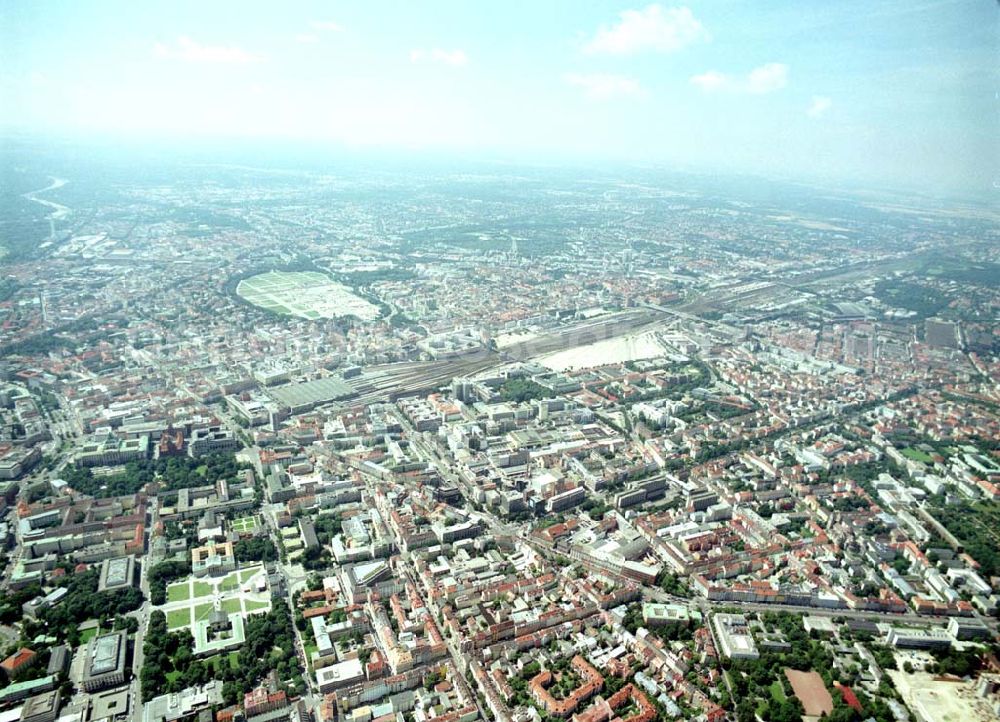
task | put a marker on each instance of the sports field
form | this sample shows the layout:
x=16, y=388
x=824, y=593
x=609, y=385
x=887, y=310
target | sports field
x=812, y=693
x=305, y=294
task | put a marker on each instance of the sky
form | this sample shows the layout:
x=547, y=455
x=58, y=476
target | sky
x=902, y=93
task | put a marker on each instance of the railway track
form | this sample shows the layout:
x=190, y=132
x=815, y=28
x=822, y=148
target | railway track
x=392, y=381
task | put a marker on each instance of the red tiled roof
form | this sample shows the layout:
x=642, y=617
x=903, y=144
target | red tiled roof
x=17, y=660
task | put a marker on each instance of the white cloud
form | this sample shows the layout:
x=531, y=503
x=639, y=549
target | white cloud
x=710, y=81
x=190, y=51
x=767, y=78
x=326, y=25
x=437, y=55
x=818, y=107
x=318, y=26
x=605, y=86
x=653, y=28
x=764, y=79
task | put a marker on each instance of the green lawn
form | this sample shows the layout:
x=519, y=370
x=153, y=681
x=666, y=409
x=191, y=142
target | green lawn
x=202, y=589
x=310, y=649
x=244, y=524
x=917, y=455
x=87, y=634
x=247, y=574
x=254, y=606
x=231, y=606
x=230, y=582
x=221, y=662
x=179, y=592
x=177, y=618
x=171, y=676
x=777, y=691
x=202, y=611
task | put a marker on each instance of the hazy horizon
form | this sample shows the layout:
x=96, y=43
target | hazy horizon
x=888, y=95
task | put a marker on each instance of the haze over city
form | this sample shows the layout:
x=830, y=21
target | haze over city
x=897, y=92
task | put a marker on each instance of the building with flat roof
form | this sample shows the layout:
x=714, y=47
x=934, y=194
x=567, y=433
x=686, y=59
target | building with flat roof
x=21, y=690
x=299, y=397
x=105, y=662
x=117, y=573
x=339, y=675
x=34, y=607
x=178, y=705
x=733, y=636
x=58, y=660
x=212, y=440
x=907, y=638
x=565, y=500
x=16, y=460
x=823, y=625
x=654, y=615
x=111, y=706
x=42, y=707
x=968, y=628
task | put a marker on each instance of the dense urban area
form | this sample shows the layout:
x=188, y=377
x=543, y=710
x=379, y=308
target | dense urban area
x=360, y=444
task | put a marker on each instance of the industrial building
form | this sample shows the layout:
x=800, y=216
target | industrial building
x=907, y=638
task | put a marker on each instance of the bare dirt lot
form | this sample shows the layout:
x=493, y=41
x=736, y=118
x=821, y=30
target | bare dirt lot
x=812, y=693
x=933, y=699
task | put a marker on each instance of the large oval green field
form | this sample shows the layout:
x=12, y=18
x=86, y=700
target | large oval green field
x=304, y=294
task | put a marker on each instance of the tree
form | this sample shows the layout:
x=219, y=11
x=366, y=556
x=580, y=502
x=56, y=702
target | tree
x=521, y=390
x=129, y=624
x=255, y=549
x=82, y=602
x=161, y=575
x=165, y=652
